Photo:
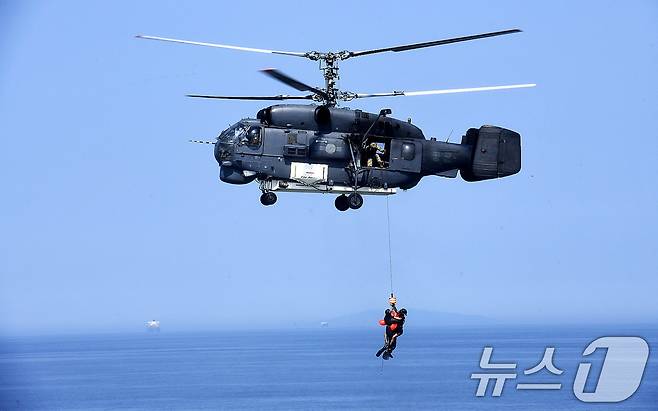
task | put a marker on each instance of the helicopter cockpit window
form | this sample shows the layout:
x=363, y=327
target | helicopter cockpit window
x=232, y=134
x=254, y=136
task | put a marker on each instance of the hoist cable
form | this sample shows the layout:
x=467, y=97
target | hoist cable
x=390, y=258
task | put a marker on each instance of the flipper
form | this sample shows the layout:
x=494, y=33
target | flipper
x=387, y=355
x=381, y=350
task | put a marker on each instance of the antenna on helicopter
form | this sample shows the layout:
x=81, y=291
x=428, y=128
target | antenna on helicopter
x=201, y=142
x=330, y=95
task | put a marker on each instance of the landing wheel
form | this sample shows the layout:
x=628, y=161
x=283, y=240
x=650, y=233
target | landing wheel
x=355, y=201
x=268, y=198
x=341, y=203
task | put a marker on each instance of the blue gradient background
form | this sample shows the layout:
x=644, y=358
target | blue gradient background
x=109, y=217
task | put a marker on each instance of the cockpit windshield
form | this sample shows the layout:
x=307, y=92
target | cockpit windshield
x=234, y=133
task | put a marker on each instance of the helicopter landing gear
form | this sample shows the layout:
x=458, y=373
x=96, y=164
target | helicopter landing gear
x=355, y=201
x=268, y=198
x=341, y=203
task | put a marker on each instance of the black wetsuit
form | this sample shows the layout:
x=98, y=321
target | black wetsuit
x=390, y=343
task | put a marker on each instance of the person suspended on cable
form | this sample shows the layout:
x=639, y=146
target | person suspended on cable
x=394, y=322
x=395, y=330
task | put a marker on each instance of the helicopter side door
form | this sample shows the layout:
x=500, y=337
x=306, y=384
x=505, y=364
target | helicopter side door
x=406, y=155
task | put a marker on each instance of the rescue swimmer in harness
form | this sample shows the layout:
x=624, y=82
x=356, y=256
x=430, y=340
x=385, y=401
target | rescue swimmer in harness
x=394, y=322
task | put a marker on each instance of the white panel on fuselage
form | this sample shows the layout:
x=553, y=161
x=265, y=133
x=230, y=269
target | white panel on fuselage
x=309, y=173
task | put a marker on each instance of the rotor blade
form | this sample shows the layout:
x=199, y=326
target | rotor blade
x=284, y=78
x=432, y=43
x=444, y=91
x=223, y=46
x=279, y=97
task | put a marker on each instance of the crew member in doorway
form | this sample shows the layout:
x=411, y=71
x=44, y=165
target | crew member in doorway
x=374, y=155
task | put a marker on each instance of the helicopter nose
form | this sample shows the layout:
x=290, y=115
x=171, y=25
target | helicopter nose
x=223, y=152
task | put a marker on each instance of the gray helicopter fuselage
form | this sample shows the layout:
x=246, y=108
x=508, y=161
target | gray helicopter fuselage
x=319, y=146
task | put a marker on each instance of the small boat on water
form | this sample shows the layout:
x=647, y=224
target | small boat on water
x=153, y=325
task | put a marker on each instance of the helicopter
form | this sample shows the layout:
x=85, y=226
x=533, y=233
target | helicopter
x=324, y=148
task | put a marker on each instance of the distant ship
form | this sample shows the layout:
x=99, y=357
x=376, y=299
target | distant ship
x=324, y=324
x=153, y=325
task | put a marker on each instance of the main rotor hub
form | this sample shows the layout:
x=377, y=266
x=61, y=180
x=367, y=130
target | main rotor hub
x=329, y=66
x=329, y=56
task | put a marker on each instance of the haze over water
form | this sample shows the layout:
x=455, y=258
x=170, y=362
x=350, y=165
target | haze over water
x=322, y=368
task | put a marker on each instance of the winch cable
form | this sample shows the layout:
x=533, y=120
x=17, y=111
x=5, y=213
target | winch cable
x=390, y=256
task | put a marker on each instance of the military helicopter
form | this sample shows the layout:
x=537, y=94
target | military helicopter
x=322, y=148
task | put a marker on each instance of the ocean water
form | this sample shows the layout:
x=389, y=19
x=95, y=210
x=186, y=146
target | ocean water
x=320, y=369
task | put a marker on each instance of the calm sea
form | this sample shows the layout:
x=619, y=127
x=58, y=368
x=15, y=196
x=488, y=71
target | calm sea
x=323, y=368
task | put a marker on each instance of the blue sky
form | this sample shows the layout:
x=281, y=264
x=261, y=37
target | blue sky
x=109, y=217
